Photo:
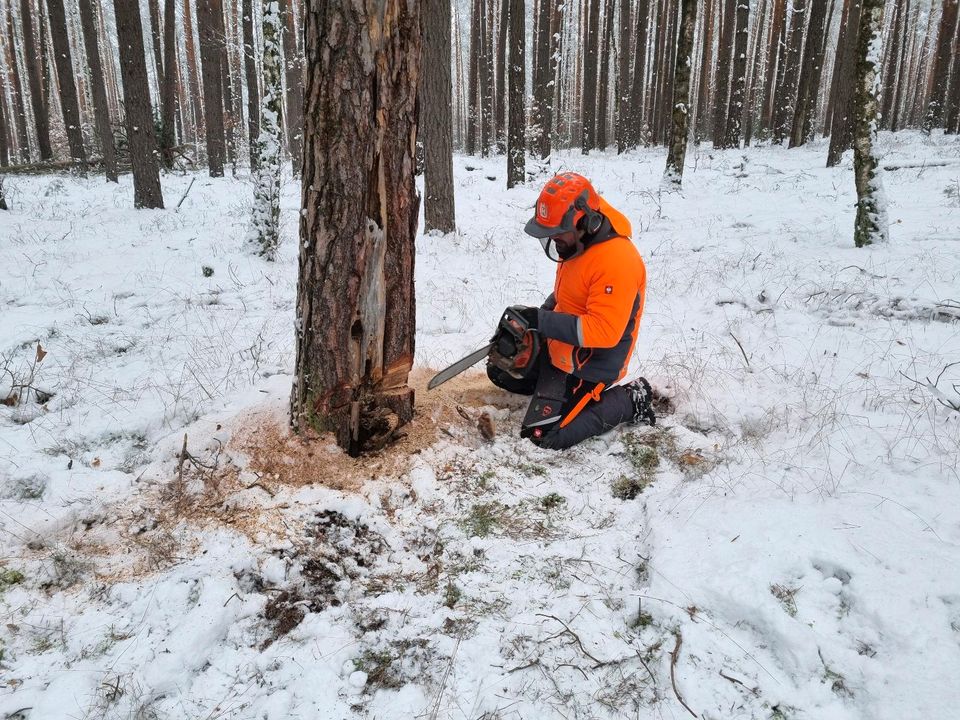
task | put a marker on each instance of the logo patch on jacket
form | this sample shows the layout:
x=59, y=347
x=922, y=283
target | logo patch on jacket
x=608, y=289
x=543, y=210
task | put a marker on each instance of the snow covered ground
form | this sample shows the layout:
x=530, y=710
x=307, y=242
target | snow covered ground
x=783, y=545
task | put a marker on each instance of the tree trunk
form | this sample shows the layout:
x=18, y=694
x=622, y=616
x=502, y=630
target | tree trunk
x=775, y=54
x=168, y=129
x=253, y=87
x=941, y=65
x=953, y=105
x=101, y=109
x=516, y=144
x=841, y=123
x=623, y=74
x=738, y=89
x=226, y=85
x=473, y=80
x=810, y=72
x=543, y=81
x=4, y=138
x=157, y=44
x=500, y=96
x=136, y=102
x=754, y=73
x=603, y=90
x=639, y=84
x=294, y=80
x=590, y=58
x=16, y=86
x=895, y=87
x=438, y=210
x=702, y=127
x=34, y=63
x=212, y=90
x=720, y=106
x=486, y=80
x=787, y=92
x=67, y=84
x=871, y=221
x=681, y=93
x=265, y=235
x=197, y=93
x=355, y=297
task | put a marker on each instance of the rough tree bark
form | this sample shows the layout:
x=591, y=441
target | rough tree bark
x=941, y=65
x=810, y=71
x=722, y=90
x=623, y=75
x=136, y=103
x=543, y=81
x=16, y=86
x=168, y=105
x=226, y=85
x=871, y=221
x=474, y=78
x=101, y=110
x=603, y=88
x=31, y=53
x=486, y=79
x=787, y=91
x=516, y=143
x=67, y=85
x=500, y=96
x=253, y=86
x=355, y=299
x=738, y=87
x=212, y=90
x=702, y=122
x=841, y=121
x=677, y=150
x=637, y=115
x=590, y=58
x=778, y=26
x=153, y=7
x=438, y=210
x=265, y=228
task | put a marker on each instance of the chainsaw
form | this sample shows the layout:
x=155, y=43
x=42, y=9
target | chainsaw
x=513, y=348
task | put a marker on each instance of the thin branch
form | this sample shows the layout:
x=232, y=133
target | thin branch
x=673, y=679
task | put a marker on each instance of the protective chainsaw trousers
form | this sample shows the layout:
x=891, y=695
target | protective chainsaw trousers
x=565, y=410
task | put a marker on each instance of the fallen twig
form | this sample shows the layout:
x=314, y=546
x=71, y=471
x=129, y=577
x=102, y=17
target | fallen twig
x=742, y=352
x=187, y=192
x=673, y=679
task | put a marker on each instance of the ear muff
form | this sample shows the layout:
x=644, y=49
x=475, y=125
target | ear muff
x=591, y=220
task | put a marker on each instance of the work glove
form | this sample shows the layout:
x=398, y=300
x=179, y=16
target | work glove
x=530, y=314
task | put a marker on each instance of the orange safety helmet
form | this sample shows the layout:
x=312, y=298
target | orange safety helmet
x=563, y=203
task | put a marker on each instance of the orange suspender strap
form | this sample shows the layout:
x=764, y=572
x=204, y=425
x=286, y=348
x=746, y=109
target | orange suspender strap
x=584, y=401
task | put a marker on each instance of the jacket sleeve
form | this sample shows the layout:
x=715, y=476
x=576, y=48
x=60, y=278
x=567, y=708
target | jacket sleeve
x=611, y=300
x=550, y=303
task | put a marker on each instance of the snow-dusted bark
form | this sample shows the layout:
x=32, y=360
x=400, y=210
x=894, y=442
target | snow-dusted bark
x=265, y=231
x=871, y=222
x=681, y=94
x=516, y=145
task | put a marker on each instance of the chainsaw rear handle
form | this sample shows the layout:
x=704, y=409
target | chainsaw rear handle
x=515, y=345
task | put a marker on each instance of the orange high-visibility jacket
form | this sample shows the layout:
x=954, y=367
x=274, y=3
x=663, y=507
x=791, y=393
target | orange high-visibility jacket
x=592, y=328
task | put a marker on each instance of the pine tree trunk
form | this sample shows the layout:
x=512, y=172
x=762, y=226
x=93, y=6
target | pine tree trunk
x=157, y=44
x=896, y=85
x=194, y=72
x=168, y=129
x=16, y=86
x=941, y=66
x=603, y=89
x=681, y=93
x=265, y=234
x=437, y=119
x=890, y=74
x=542, y=79
x=720, y=105
x=757, y=45
x=294, y=83
x=34, y=63
x=623, y=76
x=637, y=105
x=67, y=85
x=810, y=72
x=738, y=89
x=136, y=102
x=473, y=80
x=4, y=138
x=590, y=58
x=703, y=125
x=500, y=96
x=486, y=77
x=516, y=143
x=355, y=298
x=776, y=53
x=253, y=86
x=953, y=105
x=88, y=25
x=841, y=123
x=226, y=86
x=212, y=90
x=787, y=92
x=871, y=221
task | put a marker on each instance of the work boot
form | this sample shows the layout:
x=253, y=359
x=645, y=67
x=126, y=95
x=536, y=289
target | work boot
x=642, y=395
